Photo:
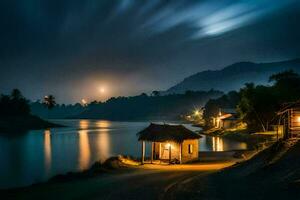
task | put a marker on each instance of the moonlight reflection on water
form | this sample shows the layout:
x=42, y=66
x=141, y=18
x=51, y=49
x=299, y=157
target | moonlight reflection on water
x=38, y=155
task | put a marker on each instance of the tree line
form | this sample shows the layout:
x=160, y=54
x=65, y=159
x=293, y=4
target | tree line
x=143, y=106
x=256, y=105
x=15, y=104
x=151, y=107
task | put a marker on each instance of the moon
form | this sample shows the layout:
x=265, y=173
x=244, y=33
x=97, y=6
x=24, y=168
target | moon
x=102, y=90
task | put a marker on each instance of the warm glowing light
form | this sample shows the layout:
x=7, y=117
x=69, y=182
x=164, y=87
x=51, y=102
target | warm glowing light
x=84, y=150
x=84, y=102
x=83, y=124
x=84, y=145
x=103, y=145
x=102, y=90
x=196, y=113
x=103, y=124
x=217, y=144
x=47, y=150
x=298, y=119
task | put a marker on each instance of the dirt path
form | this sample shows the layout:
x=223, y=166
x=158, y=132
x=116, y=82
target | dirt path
x=144, y=182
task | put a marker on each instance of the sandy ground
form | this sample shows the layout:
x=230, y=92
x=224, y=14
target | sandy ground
x=273, y=173
x=138, y=182
x=205, y=166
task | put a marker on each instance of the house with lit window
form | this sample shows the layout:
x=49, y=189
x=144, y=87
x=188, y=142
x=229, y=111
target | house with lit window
x=227, y=118
x=289, y=120
x=171, y=143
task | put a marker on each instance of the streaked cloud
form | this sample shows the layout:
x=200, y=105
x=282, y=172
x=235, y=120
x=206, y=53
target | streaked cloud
x=212, y=17
x=135, y=45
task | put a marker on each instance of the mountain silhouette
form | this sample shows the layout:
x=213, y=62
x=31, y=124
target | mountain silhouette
x=234, y=76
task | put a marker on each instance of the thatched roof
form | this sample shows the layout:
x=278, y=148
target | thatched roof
x=166, y=132
x=285, y=107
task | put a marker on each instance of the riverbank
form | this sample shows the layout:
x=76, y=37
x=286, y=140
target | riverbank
x=271, y=174
x=253, y=141
x=17, y=124
x=118, y=178
x=76, y=147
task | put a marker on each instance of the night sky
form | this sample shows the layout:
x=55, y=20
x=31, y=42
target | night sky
x=95, y=49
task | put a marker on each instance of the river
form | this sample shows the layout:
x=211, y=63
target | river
x=37, y=155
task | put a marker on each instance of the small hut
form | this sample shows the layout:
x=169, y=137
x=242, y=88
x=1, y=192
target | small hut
x=226, y=118
x=170, y=143
x=289, y=119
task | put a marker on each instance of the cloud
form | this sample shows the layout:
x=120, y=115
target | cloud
x=154, y=43
x=212, y=17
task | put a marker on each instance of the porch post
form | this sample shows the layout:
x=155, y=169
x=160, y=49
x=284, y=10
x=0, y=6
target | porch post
x=170, y=154
x=159, y=151
x=180, y=153
x=152, y=145
x=285, y=129
x=143, y=152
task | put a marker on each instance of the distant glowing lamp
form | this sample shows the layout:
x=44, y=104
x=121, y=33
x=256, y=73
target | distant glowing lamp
x=298, y=119
x=196, y=113
x=83, y=102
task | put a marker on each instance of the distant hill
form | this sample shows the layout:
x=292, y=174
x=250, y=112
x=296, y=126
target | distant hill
x=233, y=77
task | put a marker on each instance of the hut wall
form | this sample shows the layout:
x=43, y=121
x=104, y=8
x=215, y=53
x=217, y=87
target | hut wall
x=294, y=122
x=228, y=123
x=186, y=154
x=164, y=155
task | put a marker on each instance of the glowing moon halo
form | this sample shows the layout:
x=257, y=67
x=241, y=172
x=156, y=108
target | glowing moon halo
x=102, y=90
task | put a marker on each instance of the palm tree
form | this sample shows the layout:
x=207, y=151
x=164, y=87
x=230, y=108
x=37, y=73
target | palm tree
x=16, y=94
x=49, y=101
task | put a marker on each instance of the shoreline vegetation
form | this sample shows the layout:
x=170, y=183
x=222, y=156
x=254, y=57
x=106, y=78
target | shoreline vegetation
x=253, y=111
x=16, y=124
x=253, y=140
x=140, y=107
x=257, y=105
x=16, y=116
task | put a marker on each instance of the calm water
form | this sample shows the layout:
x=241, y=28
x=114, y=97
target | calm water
x=38, y=155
